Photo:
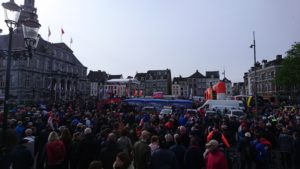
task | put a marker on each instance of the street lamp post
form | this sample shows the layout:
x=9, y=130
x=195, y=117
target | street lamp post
x=255, y=80
x=30, y=30
x=12, y=13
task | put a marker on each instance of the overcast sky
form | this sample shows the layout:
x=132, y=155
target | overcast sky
x=129, y=36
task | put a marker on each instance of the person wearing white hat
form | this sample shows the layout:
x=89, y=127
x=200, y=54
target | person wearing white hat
x=31, y=141
x=244, y=148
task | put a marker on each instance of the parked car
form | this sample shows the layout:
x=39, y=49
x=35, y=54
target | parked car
x=235, y=113
x=165, y=112
x=211, y=113
x=149, y=110
x=191, y=112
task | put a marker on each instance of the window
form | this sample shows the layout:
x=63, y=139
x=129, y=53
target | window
x=37, y=63
x=2, y=82
x=27, y=82
x=1, y=62
x=54, y=53
x=46, y=64
x=272, y=74
x=55, y=66
x=37, y=82
x=28, y=62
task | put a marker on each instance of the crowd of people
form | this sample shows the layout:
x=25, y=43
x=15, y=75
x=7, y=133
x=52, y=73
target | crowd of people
x=78, y=135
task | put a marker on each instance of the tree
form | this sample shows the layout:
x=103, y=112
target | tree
x=288, y=75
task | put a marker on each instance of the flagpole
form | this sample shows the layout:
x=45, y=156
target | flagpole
x=49, y=33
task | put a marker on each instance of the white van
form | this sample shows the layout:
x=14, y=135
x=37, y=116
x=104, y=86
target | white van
x=220, y=105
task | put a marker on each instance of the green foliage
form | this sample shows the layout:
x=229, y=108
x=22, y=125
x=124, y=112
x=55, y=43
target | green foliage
x=288, y=75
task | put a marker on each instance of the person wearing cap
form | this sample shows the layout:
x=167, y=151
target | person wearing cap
x=244, y=148
x=215, y=159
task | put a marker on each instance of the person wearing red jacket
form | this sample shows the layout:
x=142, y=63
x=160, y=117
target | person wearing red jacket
x=55, y=151
x=215, y=158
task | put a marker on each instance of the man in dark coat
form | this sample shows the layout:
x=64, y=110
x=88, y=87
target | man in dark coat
x=142, y=152
x=246, y=155
x=179, y=151
x=285, y=142
x=296, y=150
x=193, y=158
x=109, y=151
x=163, y=158
x=21, y=156
x=87, y=149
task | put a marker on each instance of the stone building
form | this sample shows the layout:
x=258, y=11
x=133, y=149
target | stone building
x=196, y=84
x=97, y=80
x=52, y=72
x=187, y=87
x=212, y=78
x=155, y=81
x=180, y=87
x=228, y=84
x=265, y=78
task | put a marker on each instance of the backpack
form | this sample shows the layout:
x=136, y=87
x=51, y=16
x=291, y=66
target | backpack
x=258, y=150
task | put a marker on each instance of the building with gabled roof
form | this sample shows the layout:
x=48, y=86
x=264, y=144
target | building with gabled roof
x=212, y=78
x=228, y=84
x=187, y=87
x=115, y=76
x=97, y=80
x=155, y=81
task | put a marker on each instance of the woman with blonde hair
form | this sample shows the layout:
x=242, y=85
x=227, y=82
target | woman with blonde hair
x=66, y=138
x=55, y=151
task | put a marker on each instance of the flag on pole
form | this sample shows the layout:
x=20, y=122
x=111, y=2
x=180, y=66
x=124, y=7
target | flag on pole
x=141, y=93
x=49, y=32
x=127, y=91
x=71, y=41
x=135, y=93
x=62, y=32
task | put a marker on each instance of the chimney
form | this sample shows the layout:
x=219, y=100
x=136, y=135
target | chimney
x=264, y=63
x=278, y=57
